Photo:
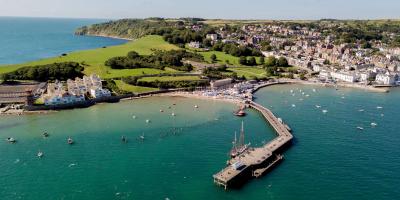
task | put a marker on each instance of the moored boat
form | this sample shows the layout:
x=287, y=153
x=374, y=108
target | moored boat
x=70, y=141
x=11, y=140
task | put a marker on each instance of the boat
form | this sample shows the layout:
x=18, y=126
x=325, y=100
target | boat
x=379, y=107
x=11, y=140
x=141, y=137
x=239, y=147
x=196, y=106
x=324, y=111
x=70, y=141
x=360, y=128
x=314, y=90
x=134, y=117
x=173, y=114
x=161, y=110
x=374, y=124
x=124, y=139
x=147, y=121
x=291, y=91
x=293, y=105
x=240, y=112
x=361, y=110
x=45, y=134
x=317, y=106
x=40, y=154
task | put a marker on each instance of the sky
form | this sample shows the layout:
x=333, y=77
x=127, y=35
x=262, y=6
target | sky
x=215, y=9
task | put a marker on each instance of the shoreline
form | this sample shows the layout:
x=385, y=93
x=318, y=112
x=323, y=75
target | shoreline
x=108, y=36
x=215, y=98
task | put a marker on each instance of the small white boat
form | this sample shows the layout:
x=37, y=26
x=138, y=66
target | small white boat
x=314, y=90
x=196, y=106
x=379, y=107
x=360, y=128
x=324, y=111
x=173, y=114
x=40, y=154
x=374, y=124
x=291, y=91
x=317, y=106
x=147, y=121
x=134, y=117
x=361, y=110
x=301, y=99
x=293, y=105
x=11, y=140
x=382, y=115
x=307, y=95
x=161, y=110
x=141, y=137
x=70, y=141
x=343, y=97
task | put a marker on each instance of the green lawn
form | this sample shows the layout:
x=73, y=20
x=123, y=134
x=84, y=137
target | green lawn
x=222, y=57
x=132, y=88
x=170, y=78
x=248, y=72
x=95, y=58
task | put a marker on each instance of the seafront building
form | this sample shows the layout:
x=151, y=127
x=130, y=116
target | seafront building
x=76, y=91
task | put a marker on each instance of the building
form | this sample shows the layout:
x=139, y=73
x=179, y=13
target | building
x=99, y=92
x=344, y=76
x=386, y=78
x=63, y=98
x=213, y=37
x=221, y=83
x=195, y=45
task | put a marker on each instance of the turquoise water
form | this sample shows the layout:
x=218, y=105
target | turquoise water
x=330, y=158
x=27, y=39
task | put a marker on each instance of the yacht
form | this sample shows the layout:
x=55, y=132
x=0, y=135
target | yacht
x=374, y=124
x=70, y=141
x=324, y=111
x=360, y=128
x=40, y=154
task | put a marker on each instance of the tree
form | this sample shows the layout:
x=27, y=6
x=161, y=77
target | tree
x=252, y=61
x=262, y=60
x=271, y=71
x=213, y=58
x=133, y=55
x=282, y=62
x=242, y=60
x=271, y=61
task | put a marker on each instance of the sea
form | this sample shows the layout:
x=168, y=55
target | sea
x=26, y=39
x=330, y=158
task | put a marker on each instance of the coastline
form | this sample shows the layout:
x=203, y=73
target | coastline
x=108, y=36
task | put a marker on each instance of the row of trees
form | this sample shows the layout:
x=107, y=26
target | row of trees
x=165, y=84
x=158, y=60
x=235, y=50
x=60, y=71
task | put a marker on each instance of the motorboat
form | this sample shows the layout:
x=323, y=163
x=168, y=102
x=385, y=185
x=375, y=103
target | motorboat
x=11, y=140
x=45, y=134
x=324, y=111
x=147, y=121
x=374, y=124
x=70, y=141
x=173, y=114
x=40, y=154
x=196, y=106
x=360, y=128
x=317, y=106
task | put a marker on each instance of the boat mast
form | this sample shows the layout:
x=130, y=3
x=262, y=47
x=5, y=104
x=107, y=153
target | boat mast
x=241, y=138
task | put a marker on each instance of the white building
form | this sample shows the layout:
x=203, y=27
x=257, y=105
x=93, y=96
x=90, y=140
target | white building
x=386, y=78
x=344, y=76
x=99, y=92
x=195, y=45
x=64, y=98
x=213, y=37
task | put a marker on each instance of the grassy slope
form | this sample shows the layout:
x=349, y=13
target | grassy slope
x=131, y=88
x=95, y=58
x=170, y=78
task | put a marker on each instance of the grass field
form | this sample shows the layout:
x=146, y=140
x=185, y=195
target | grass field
x=222, y=57
x=132, y=88
x=248, y=72
x=170, y=78
x=95, y=58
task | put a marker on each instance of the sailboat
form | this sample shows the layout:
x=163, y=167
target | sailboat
x=239, y=147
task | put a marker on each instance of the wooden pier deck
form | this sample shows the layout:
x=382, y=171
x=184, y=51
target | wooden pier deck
x=255, y=161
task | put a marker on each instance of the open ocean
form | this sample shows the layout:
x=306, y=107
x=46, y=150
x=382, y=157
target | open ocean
x=330, y=158
x=26, y=39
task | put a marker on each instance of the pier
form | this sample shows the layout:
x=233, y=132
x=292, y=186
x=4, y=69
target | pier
x=256, y=161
